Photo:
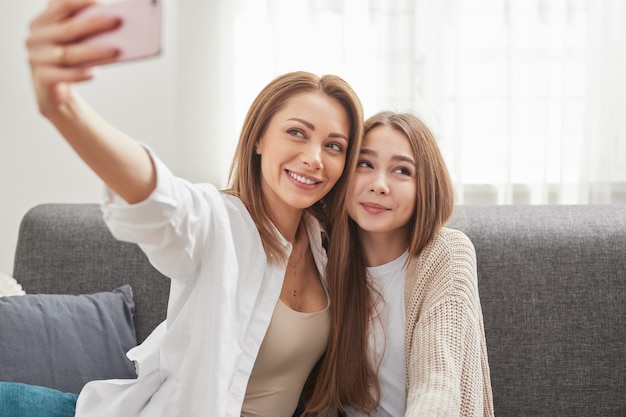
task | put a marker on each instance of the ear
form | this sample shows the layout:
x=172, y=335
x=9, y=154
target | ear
x=257, y=147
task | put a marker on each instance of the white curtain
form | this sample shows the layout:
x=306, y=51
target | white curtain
x=526, y=97
x=604, y=165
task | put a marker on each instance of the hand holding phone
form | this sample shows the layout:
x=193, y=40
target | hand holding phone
x=139, y=34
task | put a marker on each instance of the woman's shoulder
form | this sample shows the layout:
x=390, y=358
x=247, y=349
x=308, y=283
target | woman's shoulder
x=232, y=201
x=236, y=210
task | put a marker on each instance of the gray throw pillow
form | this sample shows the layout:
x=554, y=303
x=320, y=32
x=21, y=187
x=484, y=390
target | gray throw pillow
x=64, y=341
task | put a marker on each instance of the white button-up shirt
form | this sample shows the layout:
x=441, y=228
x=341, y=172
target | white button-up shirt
x=223, y=292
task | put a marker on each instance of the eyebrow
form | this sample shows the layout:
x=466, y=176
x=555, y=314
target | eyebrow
x=312, y=127
x=370, y=152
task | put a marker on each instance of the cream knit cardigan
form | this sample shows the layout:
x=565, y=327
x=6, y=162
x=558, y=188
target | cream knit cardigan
x=447, y=372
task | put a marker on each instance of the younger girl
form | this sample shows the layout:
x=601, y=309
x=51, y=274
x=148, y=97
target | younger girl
x=414, y=282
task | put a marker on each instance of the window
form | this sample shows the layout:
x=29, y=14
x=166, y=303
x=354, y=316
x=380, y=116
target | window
x=526, y=97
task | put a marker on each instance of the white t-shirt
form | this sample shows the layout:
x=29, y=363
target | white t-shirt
x=388, y=337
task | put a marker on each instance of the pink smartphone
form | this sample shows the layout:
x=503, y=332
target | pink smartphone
x=139, y=34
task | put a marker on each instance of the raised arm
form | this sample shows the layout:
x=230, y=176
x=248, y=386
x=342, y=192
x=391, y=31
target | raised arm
x=57, y=61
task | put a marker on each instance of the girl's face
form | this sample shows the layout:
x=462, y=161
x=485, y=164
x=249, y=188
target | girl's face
x=303, y=151
x=384, y=192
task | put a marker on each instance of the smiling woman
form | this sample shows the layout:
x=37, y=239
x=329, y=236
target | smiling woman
x=287, y=177
x=303, y=151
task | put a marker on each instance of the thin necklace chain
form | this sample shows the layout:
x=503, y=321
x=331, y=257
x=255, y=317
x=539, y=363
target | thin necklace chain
x=298, y=240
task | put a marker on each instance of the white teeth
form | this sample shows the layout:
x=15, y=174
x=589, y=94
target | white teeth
x=301, y=179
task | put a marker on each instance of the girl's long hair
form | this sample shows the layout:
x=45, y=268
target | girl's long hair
x=348, y=368
x=245, y=172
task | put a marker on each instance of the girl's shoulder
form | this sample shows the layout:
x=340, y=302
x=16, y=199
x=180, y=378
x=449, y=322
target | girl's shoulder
x=447, y=262
x=448, y=244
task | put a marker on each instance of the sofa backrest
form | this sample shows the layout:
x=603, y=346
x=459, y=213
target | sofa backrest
x=552, y=282
x=67, y=249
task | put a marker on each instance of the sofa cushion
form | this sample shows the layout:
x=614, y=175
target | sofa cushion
x=71, y=241
x=64, y=341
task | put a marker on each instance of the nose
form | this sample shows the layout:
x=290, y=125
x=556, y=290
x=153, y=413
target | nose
x=379, y=184
x=311, y=156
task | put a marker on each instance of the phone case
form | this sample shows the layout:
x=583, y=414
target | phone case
x=139, y=35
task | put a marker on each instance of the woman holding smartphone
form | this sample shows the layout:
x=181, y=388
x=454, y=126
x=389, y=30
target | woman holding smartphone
x=248, y=315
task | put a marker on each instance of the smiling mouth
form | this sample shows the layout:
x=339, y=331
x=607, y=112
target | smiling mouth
x=301, y=179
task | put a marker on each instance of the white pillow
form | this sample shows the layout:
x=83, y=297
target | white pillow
x=9, y=286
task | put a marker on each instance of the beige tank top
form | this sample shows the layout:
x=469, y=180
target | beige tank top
x=293, y=344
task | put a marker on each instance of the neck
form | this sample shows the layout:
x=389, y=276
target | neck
x=299, y=244
x=381, y=248
x=288, y=225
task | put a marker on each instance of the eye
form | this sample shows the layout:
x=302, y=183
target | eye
x=364, y=164
x=335, y=146
x=296, y=132
x=403, y=171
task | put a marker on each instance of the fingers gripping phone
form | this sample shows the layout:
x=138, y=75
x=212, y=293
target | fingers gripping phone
x=139, y=34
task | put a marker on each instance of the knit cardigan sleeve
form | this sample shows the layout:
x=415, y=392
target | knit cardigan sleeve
x=447, y=371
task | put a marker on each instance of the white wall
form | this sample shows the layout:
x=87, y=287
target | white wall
x=180, y=104
x=141, y=98
x=36, y=166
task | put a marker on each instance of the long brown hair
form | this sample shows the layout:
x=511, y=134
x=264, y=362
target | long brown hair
x=245, y=172
x=348, y=366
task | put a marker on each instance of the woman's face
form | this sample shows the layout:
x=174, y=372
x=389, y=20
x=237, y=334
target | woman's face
x=303, y=151
x=382, y=198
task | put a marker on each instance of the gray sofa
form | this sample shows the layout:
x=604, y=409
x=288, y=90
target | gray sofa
x=552, y=281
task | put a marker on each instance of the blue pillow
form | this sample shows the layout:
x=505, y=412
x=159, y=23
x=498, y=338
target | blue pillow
x=22, y=400
x=64, y=341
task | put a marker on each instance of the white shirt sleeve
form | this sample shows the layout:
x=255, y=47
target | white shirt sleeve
x=172, y=225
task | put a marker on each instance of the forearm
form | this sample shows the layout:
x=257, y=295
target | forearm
x=120, y=161
x=58, y=60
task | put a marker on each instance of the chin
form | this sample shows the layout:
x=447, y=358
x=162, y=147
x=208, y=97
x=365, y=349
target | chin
x=371, y=227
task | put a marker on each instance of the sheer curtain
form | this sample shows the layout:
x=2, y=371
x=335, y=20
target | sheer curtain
x=604, y=166
x=526, y=97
